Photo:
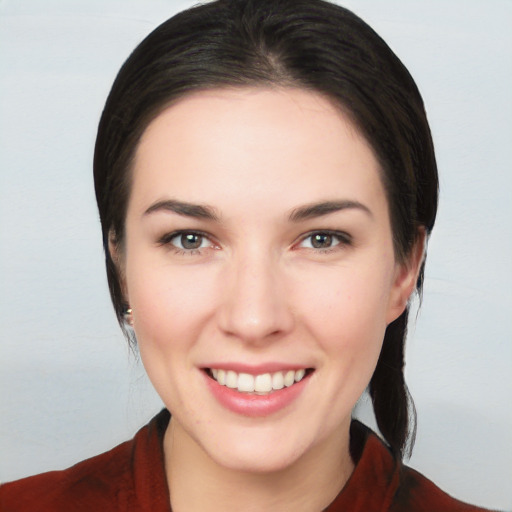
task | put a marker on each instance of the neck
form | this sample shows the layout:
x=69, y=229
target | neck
x=198, y=483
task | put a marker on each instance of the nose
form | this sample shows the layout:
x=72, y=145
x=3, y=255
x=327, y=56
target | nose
x=255, y=306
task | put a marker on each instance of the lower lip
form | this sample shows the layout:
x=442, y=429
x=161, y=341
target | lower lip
x=255, y=405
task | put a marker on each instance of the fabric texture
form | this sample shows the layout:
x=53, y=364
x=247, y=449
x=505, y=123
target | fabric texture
x=131, y=478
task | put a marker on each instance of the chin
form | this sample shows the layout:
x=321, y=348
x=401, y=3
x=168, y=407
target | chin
x=252, y=459
x=259, y=449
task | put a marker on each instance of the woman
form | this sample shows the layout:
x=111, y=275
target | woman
x=266, y=183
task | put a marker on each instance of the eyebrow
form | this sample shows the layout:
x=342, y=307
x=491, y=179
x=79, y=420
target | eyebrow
x=196, y=211
x=311, y=211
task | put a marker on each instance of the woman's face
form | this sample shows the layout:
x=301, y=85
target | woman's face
x=259, y=253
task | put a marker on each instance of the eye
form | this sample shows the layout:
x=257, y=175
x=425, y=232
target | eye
x=186, y=241
x=325, y=240
x=321, y=240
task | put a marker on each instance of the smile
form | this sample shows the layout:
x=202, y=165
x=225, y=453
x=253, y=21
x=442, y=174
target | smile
x=248, y=393
x=262, y=384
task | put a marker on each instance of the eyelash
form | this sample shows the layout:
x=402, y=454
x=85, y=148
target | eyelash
x=167, y=239
x=343, y=240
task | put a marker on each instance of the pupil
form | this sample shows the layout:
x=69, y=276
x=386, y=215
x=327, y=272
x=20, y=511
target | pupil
x=321, y=241
x=190, y=241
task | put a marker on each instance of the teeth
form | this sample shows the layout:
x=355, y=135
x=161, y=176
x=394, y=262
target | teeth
x=263, y=383
x=277, y=381
x=260, y=384
x=231, y=379
x=245, y=383
x=299, y=375
x=289, y=378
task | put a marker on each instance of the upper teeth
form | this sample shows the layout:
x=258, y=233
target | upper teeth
x=264, y=383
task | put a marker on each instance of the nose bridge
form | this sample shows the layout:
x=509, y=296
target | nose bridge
x=255, y=305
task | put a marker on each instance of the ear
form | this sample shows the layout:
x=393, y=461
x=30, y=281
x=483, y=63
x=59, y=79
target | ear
x=406, y=277
x=116, y=254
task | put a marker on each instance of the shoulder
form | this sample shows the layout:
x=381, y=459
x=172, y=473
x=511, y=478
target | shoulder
x=417, y=493
x=381, y=481
x=95, y=481
x=105, y=482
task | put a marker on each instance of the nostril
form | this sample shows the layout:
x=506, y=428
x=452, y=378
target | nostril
x=254, y=307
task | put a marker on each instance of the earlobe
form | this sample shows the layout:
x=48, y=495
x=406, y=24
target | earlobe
x=406, y=277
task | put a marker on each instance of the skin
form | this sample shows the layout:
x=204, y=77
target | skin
x=257, y=291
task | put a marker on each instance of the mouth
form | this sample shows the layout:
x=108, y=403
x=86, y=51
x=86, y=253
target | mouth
x=262, y=384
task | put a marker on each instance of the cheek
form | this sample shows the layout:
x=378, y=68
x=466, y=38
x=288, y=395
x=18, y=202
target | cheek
x=170, y=304
x=346, y=308
x=171, y=311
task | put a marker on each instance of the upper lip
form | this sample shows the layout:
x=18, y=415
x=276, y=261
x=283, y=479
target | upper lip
x=257, y=369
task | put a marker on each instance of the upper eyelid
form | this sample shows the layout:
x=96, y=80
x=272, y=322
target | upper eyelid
x=167, y=237
x=332, y=232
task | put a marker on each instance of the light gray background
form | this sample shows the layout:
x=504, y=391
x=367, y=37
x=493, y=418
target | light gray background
x=69, y=386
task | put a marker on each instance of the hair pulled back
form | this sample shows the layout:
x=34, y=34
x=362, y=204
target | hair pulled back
x=310, y=44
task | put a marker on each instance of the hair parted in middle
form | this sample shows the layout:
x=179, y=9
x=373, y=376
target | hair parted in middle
x=309, y=44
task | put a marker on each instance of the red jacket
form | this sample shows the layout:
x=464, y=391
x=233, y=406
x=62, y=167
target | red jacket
x=131, y=478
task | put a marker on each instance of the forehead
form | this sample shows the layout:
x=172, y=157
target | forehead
x=287, y=143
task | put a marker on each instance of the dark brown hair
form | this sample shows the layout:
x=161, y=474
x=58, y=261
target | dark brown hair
x=311, y=44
